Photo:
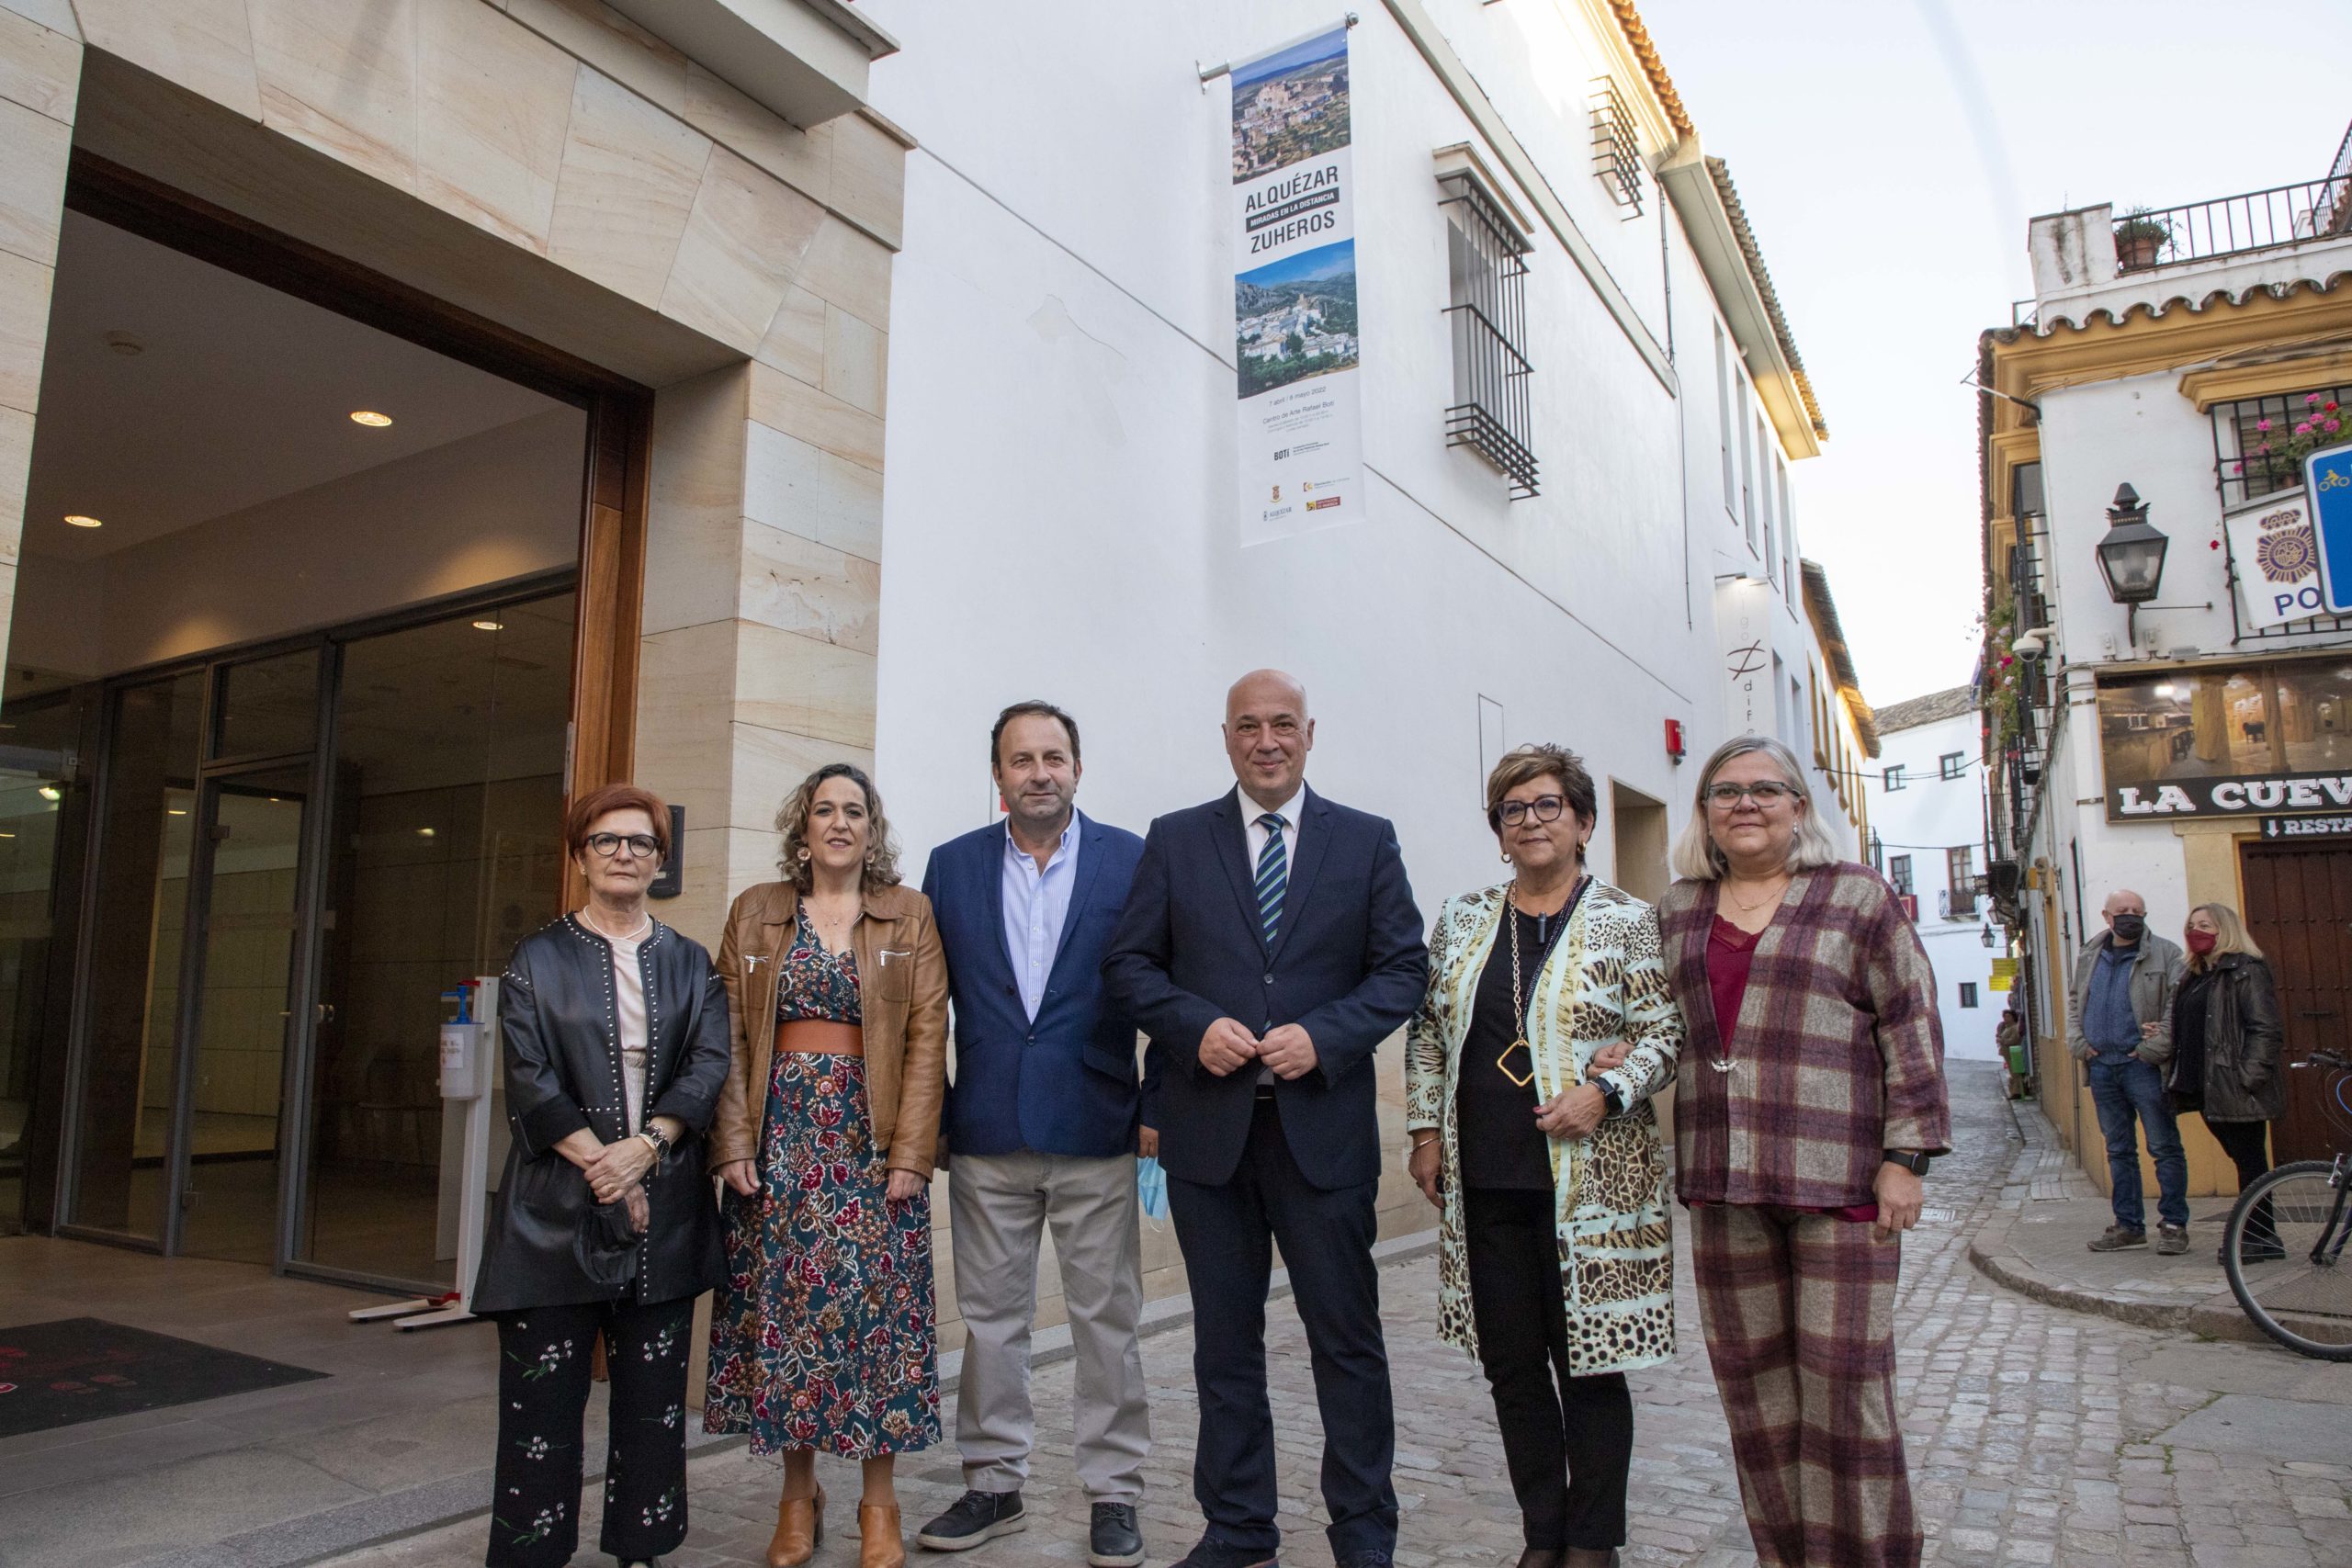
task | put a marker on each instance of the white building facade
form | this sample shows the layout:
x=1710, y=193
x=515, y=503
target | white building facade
x=2194, y=743
x=1927, y=811
x=1060, y=501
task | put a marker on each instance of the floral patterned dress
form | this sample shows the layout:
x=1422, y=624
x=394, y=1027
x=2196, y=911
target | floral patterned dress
x=824, y=1334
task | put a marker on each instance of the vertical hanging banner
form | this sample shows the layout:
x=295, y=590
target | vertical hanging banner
x=1294, y=290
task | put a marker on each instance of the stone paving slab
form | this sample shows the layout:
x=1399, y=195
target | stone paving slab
x=2036, y=1435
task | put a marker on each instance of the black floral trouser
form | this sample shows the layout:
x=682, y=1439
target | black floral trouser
x=543, y=1376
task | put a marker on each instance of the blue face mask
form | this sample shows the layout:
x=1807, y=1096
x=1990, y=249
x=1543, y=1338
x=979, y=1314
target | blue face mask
x=1152, y=1188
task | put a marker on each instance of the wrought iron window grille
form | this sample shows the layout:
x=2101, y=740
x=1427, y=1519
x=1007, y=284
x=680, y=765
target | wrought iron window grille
x=1487, y=263
x=2242, y=474
x=1616, y=151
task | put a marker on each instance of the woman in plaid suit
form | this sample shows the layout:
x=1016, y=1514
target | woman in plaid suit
x=1809, y=1097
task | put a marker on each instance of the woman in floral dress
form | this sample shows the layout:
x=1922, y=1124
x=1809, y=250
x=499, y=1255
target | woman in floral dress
x=824, y=1334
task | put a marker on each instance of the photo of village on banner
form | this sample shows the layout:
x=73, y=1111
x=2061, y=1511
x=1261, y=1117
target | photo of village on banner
x=1297, y=339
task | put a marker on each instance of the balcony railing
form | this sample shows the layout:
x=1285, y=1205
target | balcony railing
x=2233, y=225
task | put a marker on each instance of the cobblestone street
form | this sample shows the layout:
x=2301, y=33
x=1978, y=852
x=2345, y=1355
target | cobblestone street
x=2036, y=1435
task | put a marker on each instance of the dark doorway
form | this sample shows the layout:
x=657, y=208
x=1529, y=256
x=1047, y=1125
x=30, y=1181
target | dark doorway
x=2299, y=911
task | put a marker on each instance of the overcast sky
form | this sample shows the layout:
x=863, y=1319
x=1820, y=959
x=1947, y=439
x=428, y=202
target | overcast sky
x=1889, y=152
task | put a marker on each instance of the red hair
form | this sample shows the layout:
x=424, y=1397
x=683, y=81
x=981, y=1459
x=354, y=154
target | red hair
x=581, y=819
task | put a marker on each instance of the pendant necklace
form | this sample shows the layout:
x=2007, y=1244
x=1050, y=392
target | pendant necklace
x=1518, y=992
x=1722, y=1062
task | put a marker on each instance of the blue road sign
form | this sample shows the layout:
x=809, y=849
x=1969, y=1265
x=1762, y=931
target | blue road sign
x=2327, y=481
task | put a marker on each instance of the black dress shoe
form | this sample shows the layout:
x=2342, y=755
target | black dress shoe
x=1111, y=1538
x=1370, y=1557
x=1542, y=1557
x=974, y=1520
x=1221, y=1554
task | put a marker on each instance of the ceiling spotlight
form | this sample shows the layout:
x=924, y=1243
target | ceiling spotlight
x=83, y=520
x=424, y=832
x=490, y=626
x=371, y=419
x=125, y=343
x=176, y=811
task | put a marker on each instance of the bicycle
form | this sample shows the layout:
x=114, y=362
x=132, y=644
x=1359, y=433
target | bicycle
x=2288, y=1273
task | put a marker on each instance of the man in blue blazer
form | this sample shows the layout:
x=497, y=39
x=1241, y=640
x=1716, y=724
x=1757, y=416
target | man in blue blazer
x=1270, y=943
x=1041, y=1127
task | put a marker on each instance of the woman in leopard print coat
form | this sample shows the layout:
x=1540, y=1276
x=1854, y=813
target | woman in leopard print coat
x=1547, y=1026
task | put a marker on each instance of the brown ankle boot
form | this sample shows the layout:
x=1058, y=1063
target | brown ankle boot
x=879, y=1545
x=799, y=1530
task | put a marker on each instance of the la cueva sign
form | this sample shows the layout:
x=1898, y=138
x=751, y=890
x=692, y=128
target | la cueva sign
x=2227, y=740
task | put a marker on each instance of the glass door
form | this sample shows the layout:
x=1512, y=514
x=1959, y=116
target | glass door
x=447, y=784
x=122, y=1116
x=249, y=884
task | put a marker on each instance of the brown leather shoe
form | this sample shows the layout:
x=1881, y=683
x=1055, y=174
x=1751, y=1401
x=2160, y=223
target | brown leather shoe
x=879, y=1545
x=799, y=1530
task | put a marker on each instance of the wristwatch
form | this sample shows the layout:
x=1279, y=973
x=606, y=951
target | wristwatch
x=1610, y=1098
x=1917, y=1164
x=661, y=1144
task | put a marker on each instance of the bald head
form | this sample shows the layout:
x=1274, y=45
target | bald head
x=1261, y=687
x=1268, y=735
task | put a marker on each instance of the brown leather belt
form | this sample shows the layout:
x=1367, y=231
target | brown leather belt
x=819, y=1036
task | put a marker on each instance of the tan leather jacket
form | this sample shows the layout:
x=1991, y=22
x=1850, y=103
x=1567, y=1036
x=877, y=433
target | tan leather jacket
x=902, y=978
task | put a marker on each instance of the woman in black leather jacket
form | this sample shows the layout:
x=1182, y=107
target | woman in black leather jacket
x=615, y=1042
x=2227, y=1038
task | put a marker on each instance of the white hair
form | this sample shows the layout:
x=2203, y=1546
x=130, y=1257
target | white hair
x=1695, y=855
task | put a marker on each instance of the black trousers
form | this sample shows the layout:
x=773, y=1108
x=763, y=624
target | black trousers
x=543, y=1376
x=1226, y=1233
x=2248, y=1146
x=1568, y=1440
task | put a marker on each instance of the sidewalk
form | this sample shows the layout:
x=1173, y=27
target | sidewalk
x=2037, y=1244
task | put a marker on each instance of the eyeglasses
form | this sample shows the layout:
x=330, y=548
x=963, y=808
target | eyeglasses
x=641, y=846
x=1765, y=792
x=1543, y=808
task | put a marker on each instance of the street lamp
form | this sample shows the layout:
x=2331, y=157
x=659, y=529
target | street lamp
x=1988, y=933
x=2130, y=557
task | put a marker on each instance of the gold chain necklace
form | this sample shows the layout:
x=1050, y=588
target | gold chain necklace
x=1746, y=908
x=1518, y=992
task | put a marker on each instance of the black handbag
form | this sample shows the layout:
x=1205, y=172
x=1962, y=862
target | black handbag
x=605, y=1244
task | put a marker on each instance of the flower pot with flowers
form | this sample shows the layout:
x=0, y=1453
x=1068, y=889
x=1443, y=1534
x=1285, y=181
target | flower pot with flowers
x=2140, y=238
x=2282, y=443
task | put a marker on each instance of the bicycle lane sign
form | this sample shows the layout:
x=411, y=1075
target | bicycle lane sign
x=2327, y=481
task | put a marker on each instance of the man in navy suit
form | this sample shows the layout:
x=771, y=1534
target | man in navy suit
x=1270, y=943
x=1041, y=1127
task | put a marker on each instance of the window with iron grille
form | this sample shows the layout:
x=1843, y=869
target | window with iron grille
x=1616, y=151
x=1787, y=536
x=1968, y=993
x=2241, y=468
x=1952, y=764
x=1898, y=872
x=1746, y=467
x=1486, y=268
x=1894, y=778
x=1723, y=419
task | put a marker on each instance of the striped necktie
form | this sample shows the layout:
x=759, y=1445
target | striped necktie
x=1273, y=877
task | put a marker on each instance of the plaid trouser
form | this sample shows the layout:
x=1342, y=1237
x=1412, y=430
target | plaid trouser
x=1799, y=1315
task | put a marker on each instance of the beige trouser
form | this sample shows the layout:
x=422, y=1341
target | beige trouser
x=1000, y=1205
